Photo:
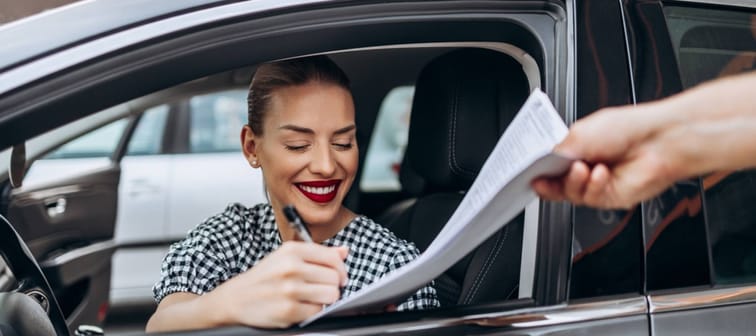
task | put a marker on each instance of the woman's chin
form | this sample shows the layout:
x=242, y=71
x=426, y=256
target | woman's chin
x=321, y=216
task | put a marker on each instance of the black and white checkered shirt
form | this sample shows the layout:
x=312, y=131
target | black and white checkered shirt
x=231, y=242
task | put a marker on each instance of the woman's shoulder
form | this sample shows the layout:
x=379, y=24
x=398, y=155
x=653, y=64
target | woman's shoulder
x=238, y=217
x=240, y=211
x=374, y=234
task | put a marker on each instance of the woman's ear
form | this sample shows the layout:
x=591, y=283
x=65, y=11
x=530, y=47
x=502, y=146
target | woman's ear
x=249, y=143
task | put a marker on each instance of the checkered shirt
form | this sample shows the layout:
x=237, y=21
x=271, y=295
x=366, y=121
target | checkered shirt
x=231, y=242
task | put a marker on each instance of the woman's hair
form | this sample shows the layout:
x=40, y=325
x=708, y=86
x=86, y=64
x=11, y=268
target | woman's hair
x=275, y=75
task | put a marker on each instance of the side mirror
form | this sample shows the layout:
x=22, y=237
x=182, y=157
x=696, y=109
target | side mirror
x=17, y=167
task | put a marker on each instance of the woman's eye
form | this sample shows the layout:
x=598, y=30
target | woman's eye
x=296, y=148
x=343, y=146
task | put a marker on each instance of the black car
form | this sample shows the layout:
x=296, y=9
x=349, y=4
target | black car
x=681, y=263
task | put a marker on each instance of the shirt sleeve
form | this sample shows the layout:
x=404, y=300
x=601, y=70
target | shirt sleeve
x=425, y=297
x=201, y=261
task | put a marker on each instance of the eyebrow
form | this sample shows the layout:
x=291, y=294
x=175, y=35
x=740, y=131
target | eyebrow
x=310, y=131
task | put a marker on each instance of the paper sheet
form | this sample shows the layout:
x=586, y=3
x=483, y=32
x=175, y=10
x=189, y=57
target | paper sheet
x=500, y=192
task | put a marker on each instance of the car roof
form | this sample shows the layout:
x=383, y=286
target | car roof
x=82, y=21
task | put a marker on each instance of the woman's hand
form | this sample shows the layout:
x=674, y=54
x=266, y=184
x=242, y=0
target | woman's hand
x=284, y=288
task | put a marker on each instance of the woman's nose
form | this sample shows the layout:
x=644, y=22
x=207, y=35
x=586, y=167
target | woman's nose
x=323, y=162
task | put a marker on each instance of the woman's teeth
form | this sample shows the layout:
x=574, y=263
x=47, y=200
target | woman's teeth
x=318, y=190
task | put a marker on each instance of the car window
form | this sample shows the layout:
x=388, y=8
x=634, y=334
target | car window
x=389, y=139
x=148, y=135
x=606, y=254
x=709, y=44
x=216, y=120
x=101, y=142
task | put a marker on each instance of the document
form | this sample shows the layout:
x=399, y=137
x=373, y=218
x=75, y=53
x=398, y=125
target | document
x=500, y=192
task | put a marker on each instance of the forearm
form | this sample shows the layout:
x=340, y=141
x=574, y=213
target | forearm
x=711, y=127
x=722, y=98
x=185, y=311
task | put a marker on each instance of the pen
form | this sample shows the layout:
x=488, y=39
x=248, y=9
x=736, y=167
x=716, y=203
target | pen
x=297, y=223
x=299, y=226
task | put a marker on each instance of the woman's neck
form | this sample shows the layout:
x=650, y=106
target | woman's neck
x=318, y=233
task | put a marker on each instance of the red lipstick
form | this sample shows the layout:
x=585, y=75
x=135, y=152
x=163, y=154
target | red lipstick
x=319, y=191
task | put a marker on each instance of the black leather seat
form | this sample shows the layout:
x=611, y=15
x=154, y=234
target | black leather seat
x=463, y=102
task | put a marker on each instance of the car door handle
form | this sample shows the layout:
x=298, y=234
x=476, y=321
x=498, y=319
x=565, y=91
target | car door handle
x=55, y=206
x=143, y=186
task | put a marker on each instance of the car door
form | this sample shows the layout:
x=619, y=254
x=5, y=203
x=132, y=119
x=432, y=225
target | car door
x=142, y=215
x=66, y=213
x=211, y=163
x=700, y=234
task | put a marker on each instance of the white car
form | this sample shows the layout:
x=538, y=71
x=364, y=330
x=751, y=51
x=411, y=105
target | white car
x=180, y=163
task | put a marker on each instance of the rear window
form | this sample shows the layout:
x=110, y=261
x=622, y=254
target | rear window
x=386, y=150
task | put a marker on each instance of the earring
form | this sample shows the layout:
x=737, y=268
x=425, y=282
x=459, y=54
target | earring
x=254, y=163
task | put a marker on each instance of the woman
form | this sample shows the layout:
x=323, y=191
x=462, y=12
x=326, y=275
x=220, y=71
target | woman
x=301, y=133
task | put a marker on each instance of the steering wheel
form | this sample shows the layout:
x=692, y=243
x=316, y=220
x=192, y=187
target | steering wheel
x=20, y=308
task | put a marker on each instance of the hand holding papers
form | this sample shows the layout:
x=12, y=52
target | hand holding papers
x=500, y=191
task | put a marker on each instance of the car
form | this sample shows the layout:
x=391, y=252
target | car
x=679, y=263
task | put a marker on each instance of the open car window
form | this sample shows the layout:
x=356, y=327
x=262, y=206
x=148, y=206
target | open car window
x=384, y=74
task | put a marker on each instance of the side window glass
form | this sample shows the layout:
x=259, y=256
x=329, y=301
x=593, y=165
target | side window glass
x=99, y=143
x=389, y=139
x=148, y=135
x=709, y=44
x=606, y=255
x=216, y=120
x=731, y=218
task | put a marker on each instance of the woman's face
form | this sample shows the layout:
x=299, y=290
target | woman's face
x=308, y=151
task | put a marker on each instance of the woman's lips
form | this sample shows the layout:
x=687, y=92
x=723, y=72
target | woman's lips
x=319, y=191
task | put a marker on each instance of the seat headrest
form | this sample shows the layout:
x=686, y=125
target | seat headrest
x=464, y=100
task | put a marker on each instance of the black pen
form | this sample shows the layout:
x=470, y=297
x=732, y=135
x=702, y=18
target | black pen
x=297, y=223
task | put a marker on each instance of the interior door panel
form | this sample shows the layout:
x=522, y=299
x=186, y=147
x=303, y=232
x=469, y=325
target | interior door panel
x=73, y=211
x=68, y=226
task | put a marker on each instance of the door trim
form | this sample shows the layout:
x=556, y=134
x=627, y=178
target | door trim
x=701, y=299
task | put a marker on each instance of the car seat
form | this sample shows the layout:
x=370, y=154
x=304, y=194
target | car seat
x=463, y=102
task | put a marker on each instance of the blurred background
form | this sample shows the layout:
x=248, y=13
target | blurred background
x=11, y=10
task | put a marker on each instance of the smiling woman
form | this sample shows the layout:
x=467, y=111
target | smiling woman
x=245, y=265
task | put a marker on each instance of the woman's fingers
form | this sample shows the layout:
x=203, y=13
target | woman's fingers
x=286, y=287
x=331, y=257
x=303, y=310
x=319, y=274
x=314, y=293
